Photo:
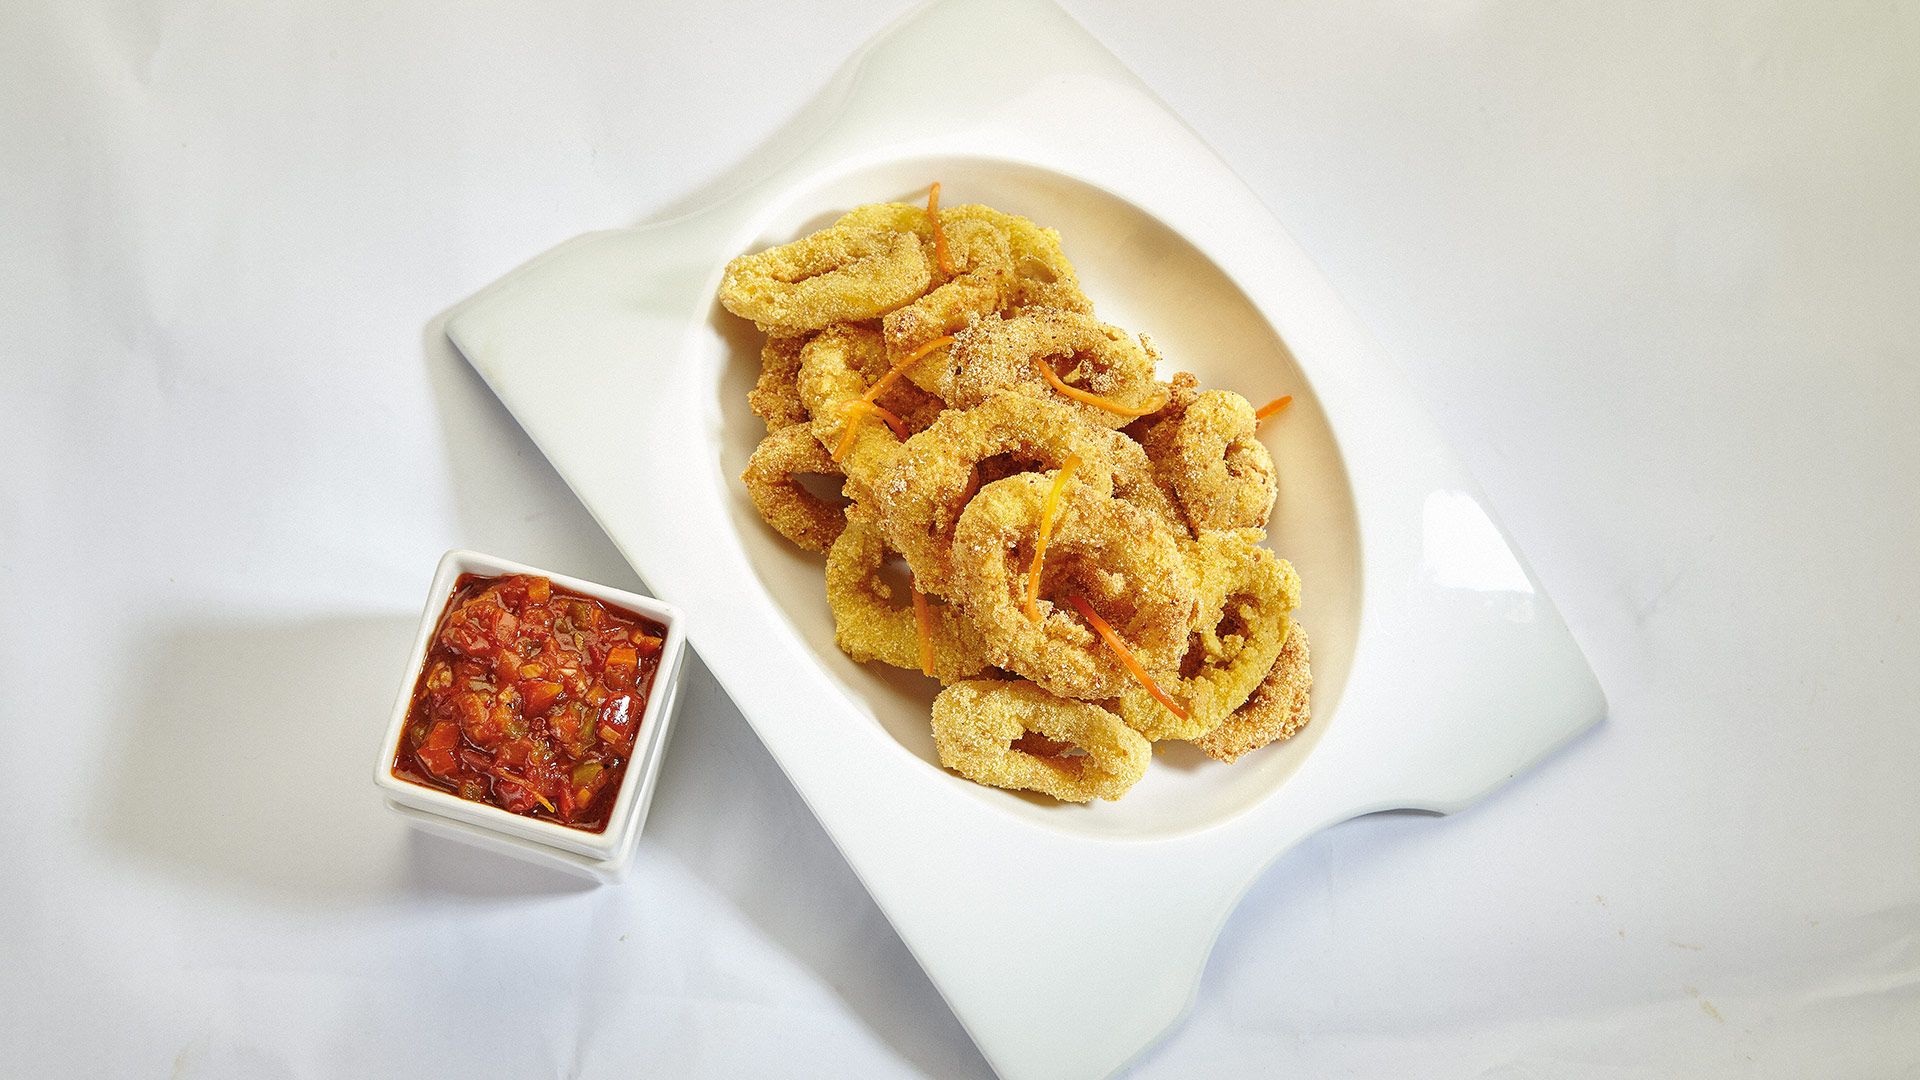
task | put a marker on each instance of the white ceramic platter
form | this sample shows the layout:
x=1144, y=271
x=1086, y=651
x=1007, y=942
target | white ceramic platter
x=1065, y=938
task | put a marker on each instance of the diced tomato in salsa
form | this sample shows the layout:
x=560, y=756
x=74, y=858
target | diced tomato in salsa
x=530, y=699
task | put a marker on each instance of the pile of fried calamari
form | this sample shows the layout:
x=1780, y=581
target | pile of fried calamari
x=1083, y=540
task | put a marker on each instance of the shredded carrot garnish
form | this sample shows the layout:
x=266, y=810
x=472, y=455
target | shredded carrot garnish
x=898, y=425
x=1126, y=657
x=1048, y=509
x=541, y=799
x=923, y=628
x=857, y=411
x=939, y=234
x=1093, y=399
x=880, y=385
x=1272, y=407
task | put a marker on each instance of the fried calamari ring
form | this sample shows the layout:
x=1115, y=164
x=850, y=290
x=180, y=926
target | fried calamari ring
x=1125, y=562
x=981, y=284
x=843, y=273
x=772, y=480
x=1245, y=595
x=918, y=407
x=1219, y=469
x=1279, y=708
x=831, y=387
x=937, y=471
x=893, y=217
x=869, y=622
x=995, y=354
x=1154, y=432
x=775, y=397
x=1042, y=274
x=980, y=729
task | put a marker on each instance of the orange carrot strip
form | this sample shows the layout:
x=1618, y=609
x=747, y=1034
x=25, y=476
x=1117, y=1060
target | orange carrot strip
x=898, y=425
x=939, y=234
x=857, y=411
x=1048, y=509
x=923, y=628
x=880, y=385
x=1272, y=407
x=1093, y=399
x=1126, y=658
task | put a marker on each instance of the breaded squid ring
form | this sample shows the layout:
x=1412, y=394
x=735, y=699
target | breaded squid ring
x=1246, y=593
x=1042, y=274
x=1219, y=469
x=772, y=480
x=843, y=273
x=927, y=485
x=976, y=725
x=1279, y=707
x=869, y=622
x=830, y=386
x=917, y=407
x=775, y=397
x=1121, y=559
x=994, y=354
x=1154, y=432
x=981, y=284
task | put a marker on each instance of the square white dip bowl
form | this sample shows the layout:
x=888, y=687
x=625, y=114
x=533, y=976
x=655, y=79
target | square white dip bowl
x=603, y=856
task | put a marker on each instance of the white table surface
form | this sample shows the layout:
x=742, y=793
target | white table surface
x=1656, y=267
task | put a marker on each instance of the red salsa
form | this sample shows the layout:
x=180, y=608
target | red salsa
x=530, y=699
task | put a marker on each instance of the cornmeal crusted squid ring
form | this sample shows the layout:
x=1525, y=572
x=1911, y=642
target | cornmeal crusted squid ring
x=1277, y=710
x=928, y=484
x=869, y=624
x=979, y=727
x=831, y=387
x=772, y=479
x=1219, y=469
x=775, y=397
x=995, y=354
x=1120, y=559
x=843, y=273
x=1042, y=274
x=981, y=283
x=1245, y=595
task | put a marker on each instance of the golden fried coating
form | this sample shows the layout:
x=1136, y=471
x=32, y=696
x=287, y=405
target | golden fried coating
x=1154, y=432
x=977, y=724
x=1246, y=594
x=1043, y=277
x=830, y=385
x=917, y=407
x=870, y=622
x=1219, y=469
x=982, y=284
x=773, y=482
x=1120, y=559
x=1278, y=709
x=775, y=397
x=1068, y=522
x=843, y=273
x=994, y=354
x=926, y=487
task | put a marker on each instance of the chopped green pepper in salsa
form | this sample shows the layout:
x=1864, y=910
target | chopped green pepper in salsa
x=530, y=699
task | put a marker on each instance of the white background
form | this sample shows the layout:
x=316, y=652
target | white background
x=1656, y=267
